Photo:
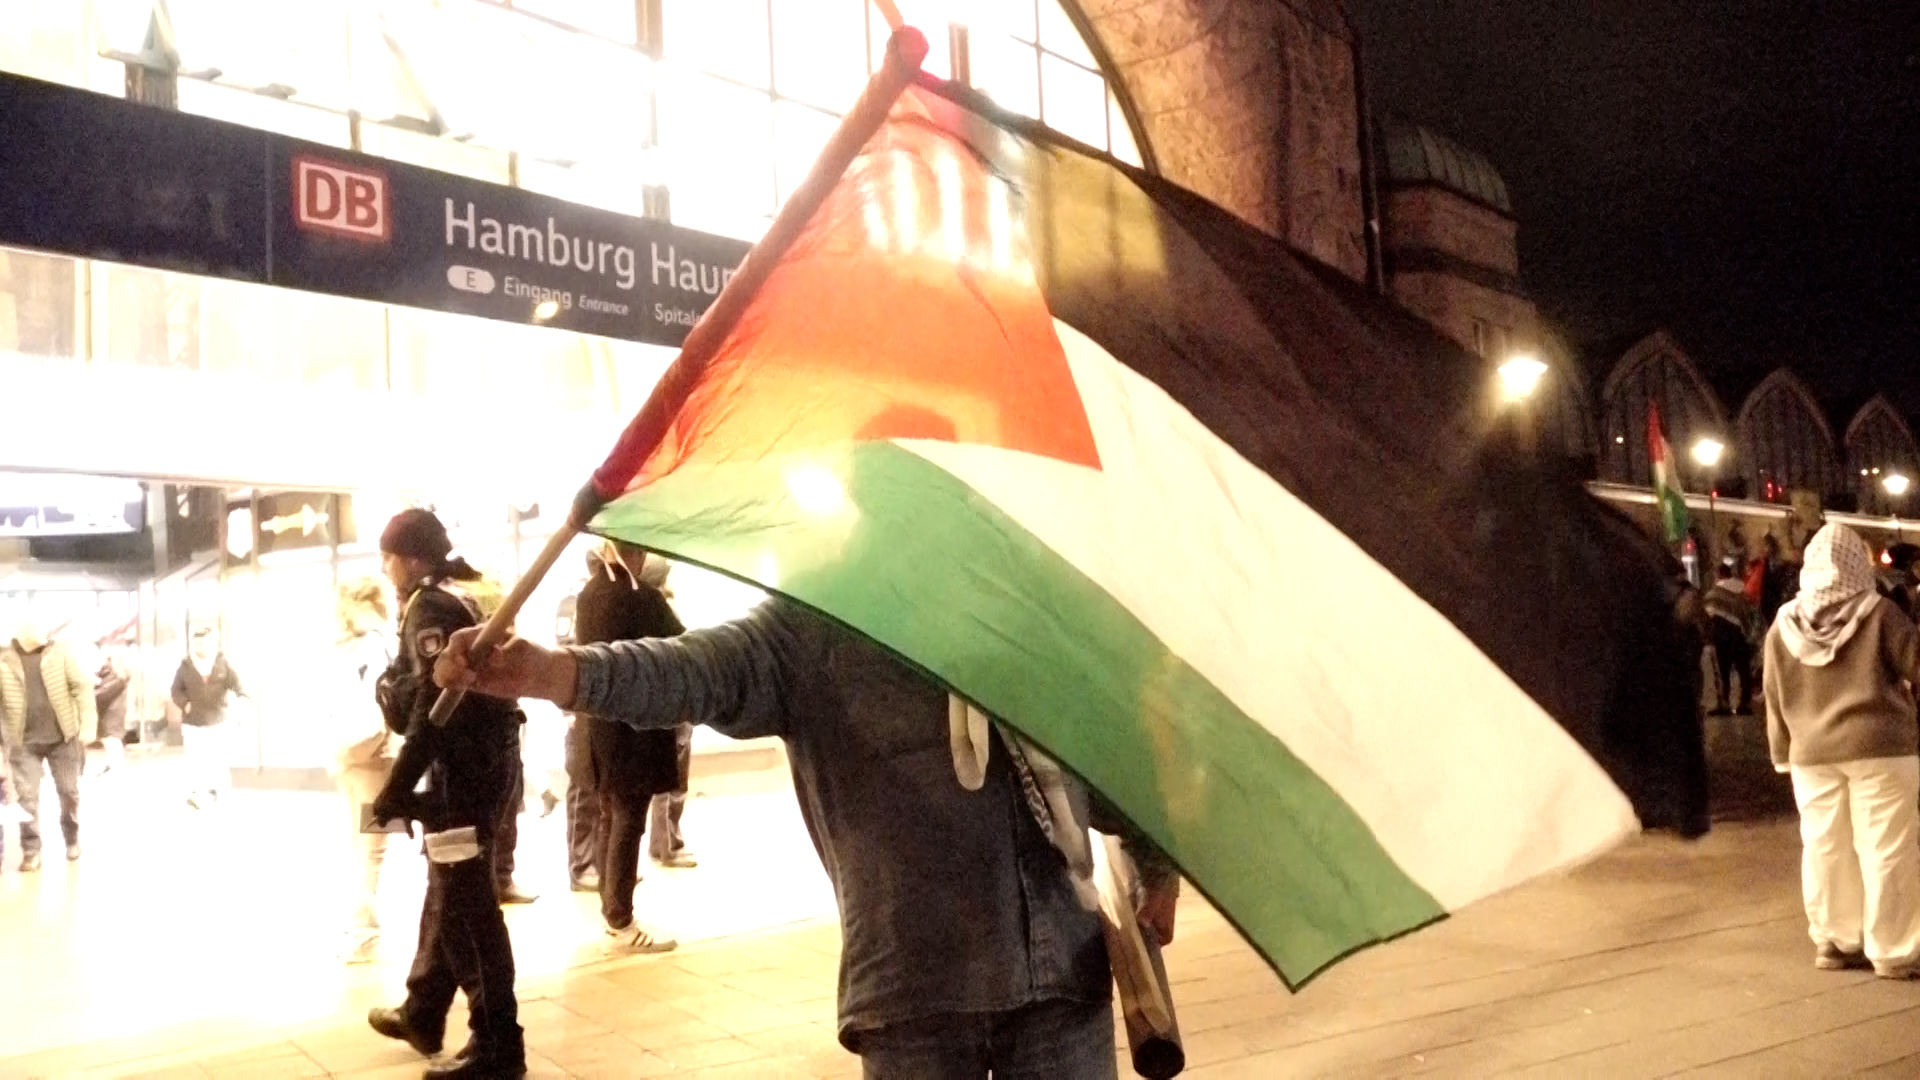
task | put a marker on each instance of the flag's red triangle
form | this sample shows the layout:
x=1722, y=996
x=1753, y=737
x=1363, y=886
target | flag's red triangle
x=907, y=309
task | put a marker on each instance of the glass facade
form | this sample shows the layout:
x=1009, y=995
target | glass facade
x=703, y=112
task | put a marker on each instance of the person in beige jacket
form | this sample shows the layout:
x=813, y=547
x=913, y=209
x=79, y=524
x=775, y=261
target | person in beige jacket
x=364, y=748
x=1840, y=664
x=47, y=718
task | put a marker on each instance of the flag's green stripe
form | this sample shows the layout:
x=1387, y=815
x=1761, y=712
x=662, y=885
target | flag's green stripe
x=921, y=563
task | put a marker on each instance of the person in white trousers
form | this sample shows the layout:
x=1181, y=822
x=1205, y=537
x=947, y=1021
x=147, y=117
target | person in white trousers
x=364, y=749
x=1841, y=662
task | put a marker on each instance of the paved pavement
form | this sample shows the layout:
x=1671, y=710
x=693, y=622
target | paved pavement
x=1662, y=958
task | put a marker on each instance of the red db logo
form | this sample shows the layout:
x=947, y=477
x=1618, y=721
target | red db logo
x=346, y=202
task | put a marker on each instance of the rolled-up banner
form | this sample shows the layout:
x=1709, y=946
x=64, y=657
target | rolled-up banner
x=1139, y=975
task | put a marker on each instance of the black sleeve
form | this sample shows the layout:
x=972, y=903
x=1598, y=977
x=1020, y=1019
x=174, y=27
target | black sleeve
x=179, y=693
x=431, y=618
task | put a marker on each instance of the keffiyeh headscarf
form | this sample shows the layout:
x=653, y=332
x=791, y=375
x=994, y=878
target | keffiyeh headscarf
x=1836, y=592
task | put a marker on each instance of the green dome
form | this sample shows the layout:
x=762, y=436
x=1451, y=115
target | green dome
x=1410, y=154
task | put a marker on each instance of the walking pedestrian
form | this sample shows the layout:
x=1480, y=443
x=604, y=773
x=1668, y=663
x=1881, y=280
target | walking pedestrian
x=110, y=684
x=965, y=948
x=48, y=716
x=1731, y=631
x=470, y=771
x=1840, y=664
x=203, y=686
x=626, y=768
x=364, y=749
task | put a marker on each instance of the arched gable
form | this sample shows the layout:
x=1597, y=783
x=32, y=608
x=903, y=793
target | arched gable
x=1879, y=441
x=1657, y=372
x=1566, y=416
x=1785, y=441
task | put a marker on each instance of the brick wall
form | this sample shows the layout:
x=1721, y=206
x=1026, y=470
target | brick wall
x=1431, y=217
x=1452, y=303
x=1251, y=104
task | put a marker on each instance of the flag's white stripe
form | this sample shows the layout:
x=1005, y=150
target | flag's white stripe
x=1466, y=782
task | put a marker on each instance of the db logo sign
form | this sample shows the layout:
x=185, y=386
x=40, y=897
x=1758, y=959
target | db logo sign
x=345, y=202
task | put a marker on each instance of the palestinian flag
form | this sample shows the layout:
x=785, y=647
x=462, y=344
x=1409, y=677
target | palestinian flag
x=1667, y=489
x=1213, y=526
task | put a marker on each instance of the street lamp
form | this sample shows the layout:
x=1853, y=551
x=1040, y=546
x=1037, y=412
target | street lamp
x=1520, y=376
x=1896, y=485
x=1707, y=451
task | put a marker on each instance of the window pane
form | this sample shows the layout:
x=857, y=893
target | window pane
x=1123, y=144
x=816, y=51
x=434, y=152
x=152, y=318
x=799, y=134
x=36, y=305
x=46, y=41
x=610, y=19
x=983, y=18
x=1075, y=100
x=264, y=113
x=1004, y=70
x=1058, y=34
x=296, y=337
x=726, y=37
x=716, y=152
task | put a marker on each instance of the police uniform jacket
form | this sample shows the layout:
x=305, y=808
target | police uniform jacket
x=468, y=764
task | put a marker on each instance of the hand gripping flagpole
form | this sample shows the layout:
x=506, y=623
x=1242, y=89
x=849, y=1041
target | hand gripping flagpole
x=906, y=50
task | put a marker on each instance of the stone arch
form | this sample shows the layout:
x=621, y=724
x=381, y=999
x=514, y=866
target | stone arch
x=1879, y=438
x=1784, y=440
x=1656, y=371
x=1253, y=106
x=1566, y=415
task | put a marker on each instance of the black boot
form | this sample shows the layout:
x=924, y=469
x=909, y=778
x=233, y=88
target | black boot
x=476, y=1063
x=393, y=1023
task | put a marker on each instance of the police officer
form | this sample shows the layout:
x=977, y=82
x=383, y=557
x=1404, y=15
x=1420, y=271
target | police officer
x=469, y=772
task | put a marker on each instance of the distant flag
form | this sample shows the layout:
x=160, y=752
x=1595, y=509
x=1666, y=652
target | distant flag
x=1667, y=489
x=1206, y=521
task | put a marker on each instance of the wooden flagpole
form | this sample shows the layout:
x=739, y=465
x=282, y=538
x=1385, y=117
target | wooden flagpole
x=906, y=51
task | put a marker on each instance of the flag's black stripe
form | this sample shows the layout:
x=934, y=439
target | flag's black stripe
x=1385, y=430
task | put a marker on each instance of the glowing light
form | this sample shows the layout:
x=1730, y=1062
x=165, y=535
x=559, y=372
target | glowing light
x=1895, y=484
x=876, y=222
x=906, y=203
x=545, y=309
x=1000, y=224
x=1520, y=376
x=1707, y=452
x=953, y=224
x=818, y=491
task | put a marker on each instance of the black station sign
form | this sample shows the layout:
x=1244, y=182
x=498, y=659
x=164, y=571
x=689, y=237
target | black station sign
x=92, y=176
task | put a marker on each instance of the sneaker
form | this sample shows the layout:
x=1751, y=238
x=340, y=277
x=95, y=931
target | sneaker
x=588, y=882
x=1898, y=972
x=636, y=939
x=548, y=803
x=510, y=892
x=393, y=1024
x=1830, y=957
x=360, y=947
x=679, y=860
x=29, y=863
x=472, y=1063
x=73, y=852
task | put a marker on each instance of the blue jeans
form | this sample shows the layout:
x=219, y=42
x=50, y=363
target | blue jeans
x=1056, y=1040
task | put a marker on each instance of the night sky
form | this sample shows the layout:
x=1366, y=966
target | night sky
x=1746, y=173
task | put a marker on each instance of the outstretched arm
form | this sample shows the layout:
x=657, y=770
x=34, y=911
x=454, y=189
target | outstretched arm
x=732, y=677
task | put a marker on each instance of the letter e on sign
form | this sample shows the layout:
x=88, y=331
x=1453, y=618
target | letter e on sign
x=333, y=198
